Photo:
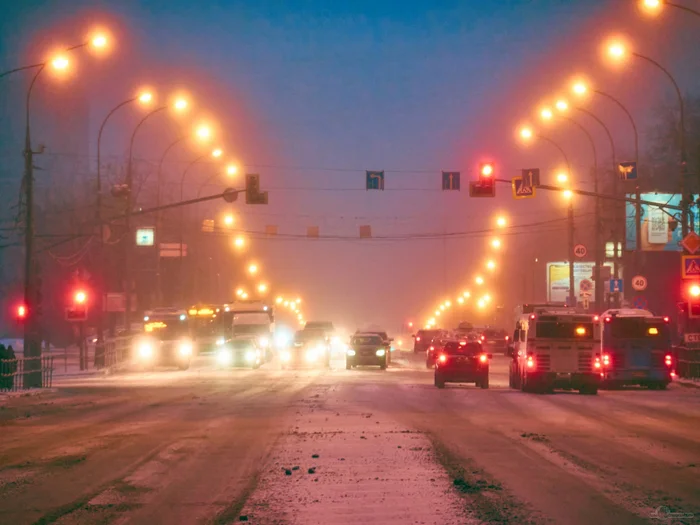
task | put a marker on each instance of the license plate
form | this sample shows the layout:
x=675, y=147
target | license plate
x=639, y=374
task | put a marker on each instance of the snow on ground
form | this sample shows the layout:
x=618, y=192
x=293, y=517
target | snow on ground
x=341, y=464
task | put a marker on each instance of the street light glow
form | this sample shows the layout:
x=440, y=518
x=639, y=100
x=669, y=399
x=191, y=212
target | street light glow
x=487, y=170
x=99, y=41
x=479, y=280
x=496, y=244
x=491, y=265
x=617, y=50
x=253, y=268
x=579, y=88
x=481, y=303
x=217, y=153
x=239, y=241
x=562, y=177
x=262, y=288
x=146, y=97
x=203, y=132
x=562, y=105
x=467, y=294
x=60, y=63
x=239, y=292
x=568, y=194
x=231, y=169
x=546, y=114
x=180, y=104
x=229, y=220
x=460, y=300
x=279, y=300
x=501, y=222
x=244, y=296
x=448, y=303
x=526, y=133
x=651, y=6
x=442, y=307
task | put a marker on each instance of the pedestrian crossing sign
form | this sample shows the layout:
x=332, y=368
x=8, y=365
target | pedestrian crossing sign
x=690, y=266
x=521, y=190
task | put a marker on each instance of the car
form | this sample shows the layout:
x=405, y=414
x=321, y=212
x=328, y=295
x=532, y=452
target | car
x=366, y=349
x=436, y=346
x=385, y=339
x=462, y=362
x=311, y=348
x=495, y=340
x=240, y=352
x=423, y=338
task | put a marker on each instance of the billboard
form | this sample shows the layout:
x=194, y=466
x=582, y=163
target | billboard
x=558, y=280
x=660, y=231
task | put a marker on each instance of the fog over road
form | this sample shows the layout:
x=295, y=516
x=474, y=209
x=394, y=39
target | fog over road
x=360, y=446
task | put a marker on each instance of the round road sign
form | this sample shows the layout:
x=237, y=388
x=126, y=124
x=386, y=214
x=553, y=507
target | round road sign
x=580, y=250
x=585, y=285
x=639, y=283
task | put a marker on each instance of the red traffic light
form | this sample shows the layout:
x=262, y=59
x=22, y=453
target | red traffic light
x=694, y=290
x=486, y=170
x=21, y=312
x=80, y=297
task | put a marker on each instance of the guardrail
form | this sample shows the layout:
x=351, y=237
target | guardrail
x=26, y=372
x=687, y=362
x=117, y=352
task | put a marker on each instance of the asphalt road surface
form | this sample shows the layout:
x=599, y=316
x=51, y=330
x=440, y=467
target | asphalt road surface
x=362, y=446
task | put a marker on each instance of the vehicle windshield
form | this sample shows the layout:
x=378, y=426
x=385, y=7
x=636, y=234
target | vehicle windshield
x=426, y=335
x=206, y=326
x=362, y=340
x=304, y=336
x=456, y=348
x=491, y=333
x=639, y=328
x=242, y=343
x=324, y=326
x=563, y=330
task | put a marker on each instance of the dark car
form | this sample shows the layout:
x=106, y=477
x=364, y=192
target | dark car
x=495, y=340
x=462, y=362
x=423, y=338
x=386, y=341
x=366, y=349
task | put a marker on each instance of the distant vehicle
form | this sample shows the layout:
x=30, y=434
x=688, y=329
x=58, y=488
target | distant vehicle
x=244, y=319
x=166, y=339
x=556, y=349
x=240, y=352
x=366, y=349
x=320, y=326
x=437, y=345
x=385, y=339
x=310, y=348
x=495, y=340
x=462, y=362
x=636, y=349
x=206, y=325
x=464, y=328
x=423, y=338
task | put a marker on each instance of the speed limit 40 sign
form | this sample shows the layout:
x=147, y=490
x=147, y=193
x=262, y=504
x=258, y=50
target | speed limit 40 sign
x=580, y=250
x=639, y=283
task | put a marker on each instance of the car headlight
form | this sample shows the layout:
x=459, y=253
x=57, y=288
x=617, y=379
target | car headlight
x=145, y=350
x=351, y=353
x=335, y=340
x=286, y=356
x=250, y=356
x=264, y=342
x=311, y=355
x=381, y=352
x=185, y=349
x=220, y=341
x=224, y=357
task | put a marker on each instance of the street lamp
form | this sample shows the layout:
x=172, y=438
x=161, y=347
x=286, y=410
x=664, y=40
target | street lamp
x=239, y=242
x=491, y=265
x=501, y=222
x=252, y=268
x=654, y=7
x=496, y=244
x=479, y=280
x=562, y=178
x=231, y=170
x=262, y=288
x=229, y=220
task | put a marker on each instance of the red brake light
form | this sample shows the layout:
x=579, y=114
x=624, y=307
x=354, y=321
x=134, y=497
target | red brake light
x=21, y=311
x=507, y=338
x=596, y=318
x=606, y=360
x=483, y=338
x=432, y=348
x=483, y=358
x=608, y=319
x=666, y=319
x=532, y=316
x=597, y=363
x=418, y=338
x=669, y=360
x=462, y=343
x=530, y=362
x=442, y=358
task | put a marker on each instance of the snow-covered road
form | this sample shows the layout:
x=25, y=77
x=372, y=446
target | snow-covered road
x=209, y=446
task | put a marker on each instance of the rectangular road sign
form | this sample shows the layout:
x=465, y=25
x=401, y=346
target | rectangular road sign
x=374, y=180
x=692, y=338
x=615, y=285
x=531, y=177
x=450, y=180
x=690, y=266
x=520, y=190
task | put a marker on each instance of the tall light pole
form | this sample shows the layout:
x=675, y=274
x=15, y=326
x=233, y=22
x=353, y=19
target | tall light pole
x=618, y=51
x=580, y=88
x=597, y=248
x=143, y=98
x=527, y=134
x=32, y=336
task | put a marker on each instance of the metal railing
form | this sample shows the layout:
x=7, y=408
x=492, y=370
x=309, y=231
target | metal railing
x=19, y=374
x=117, y=352
x=687, y=362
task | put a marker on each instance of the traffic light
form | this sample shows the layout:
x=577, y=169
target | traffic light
x=21, y=313
x=77, y=311
x=694, y=300
x=486, y=185
x=252, y=190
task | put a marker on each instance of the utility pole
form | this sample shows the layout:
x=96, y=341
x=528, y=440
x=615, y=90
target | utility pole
x=598, y=248
x=572, y=255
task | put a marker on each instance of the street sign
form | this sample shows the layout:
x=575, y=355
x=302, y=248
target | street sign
x=520, y=191
x=585, y=286
x=691, y=243
x=450, y=180
x=531, y=177
x=627, y=170
x=172, y=249
x=640, y=303
x=639, y=283
x=691, y=338
x=145, y=236
x=375, y=180
x=586, y=303
x=690, y=266
x=76, y=313
x=580, y=251
x=615, y=285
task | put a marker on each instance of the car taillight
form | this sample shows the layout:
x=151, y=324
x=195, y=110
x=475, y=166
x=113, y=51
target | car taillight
x=418, y=338
x=432, y=348
x=606, y=360
x=442, y=358
x=530, y=362
x=507, y=338
x=597, y=363
x=669, y=360
x=483, y=338
x=483, y=358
